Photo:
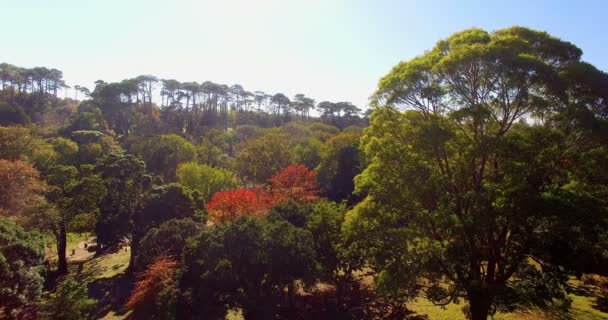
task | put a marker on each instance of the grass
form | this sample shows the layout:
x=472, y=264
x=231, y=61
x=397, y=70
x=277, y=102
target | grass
x=106, y=277
x=581, y=309
x=234, y=315
x=73, y=239
x=112, y=315
x=107, y=265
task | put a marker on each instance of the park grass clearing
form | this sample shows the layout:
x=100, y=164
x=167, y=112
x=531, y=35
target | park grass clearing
x=108, y=265
x=106, y=278
x=73, y=243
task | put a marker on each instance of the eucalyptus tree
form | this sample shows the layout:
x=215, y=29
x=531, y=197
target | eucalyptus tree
x=463, y=187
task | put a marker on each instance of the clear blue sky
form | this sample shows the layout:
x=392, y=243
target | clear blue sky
x=328, y=50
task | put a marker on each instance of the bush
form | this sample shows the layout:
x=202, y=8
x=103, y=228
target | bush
x=70, y=301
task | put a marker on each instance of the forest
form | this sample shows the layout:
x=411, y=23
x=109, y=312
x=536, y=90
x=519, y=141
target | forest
x=475, y=187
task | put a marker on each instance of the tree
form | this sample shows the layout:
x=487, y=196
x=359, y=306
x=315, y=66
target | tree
x=461, y=188
x=150, y=299
x=248, y=264
x=258, y=159
x=303, y=104
x=340, y=163
x=168, y=239
x=74, y=194
x=126, y=183
x=337, y=259
x=70, y=301
x=229, y=205
x=295, y=182
x=205, y=179
x=162, y=204
x=281, y=105
x=13, y=115
x=21, y=188
x=21, y=143
x=21, y=269
x=163, y=153
x=307, y=153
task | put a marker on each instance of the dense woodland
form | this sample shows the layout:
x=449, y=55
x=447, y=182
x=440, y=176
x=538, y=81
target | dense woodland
x=479, y=179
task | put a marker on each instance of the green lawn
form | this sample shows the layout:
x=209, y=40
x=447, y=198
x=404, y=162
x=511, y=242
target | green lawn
x=582, y=309
x=107, y=265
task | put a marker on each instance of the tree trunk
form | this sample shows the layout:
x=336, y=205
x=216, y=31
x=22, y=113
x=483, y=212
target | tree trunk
x=134, y=251
x=479, y=302
x=62, y=261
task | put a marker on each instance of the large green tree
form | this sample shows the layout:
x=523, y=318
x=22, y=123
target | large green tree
x=248, y=263
x=260, y=158
x=162, y=203
x=126, y=182
x=464, y=185
x=163, y=153
x=205, y=179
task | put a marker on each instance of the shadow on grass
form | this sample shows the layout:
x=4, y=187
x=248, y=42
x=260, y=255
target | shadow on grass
x=111, y=294
x=601, y=303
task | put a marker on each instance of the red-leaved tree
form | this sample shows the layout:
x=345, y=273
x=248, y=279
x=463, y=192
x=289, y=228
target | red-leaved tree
x=295, y=182
x=159, y=276
x=229, y=205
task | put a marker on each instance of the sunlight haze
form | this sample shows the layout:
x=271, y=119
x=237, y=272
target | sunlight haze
x=328, y=50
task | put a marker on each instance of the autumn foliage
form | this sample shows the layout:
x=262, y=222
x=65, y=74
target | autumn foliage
x=159, y=275
x=229, y=205
x=21, y=187
x=296, y=182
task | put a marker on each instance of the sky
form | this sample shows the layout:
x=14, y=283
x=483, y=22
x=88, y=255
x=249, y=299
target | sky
x=327, y=49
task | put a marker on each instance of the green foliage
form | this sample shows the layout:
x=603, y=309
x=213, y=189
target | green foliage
x=247, y=263
x=334, y=253
x=75, y=196
x=293, y=212
x=168, y=239
x=126, y=183
x=12, y=115
x=66, y=149
x=162, y=204
x=21, y=270
x=205, y=179
x=70, y=301
x=466, y=191
x=86, y=136
x=163, y=153
x=307, y=153
x=22, y=143
x=340, y=163
x=260, y=158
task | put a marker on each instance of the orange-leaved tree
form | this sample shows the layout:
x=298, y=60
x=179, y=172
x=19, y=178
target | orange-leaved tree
x=21, y=188
x=295, y=182
x=228, y=205
x=147, y=295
